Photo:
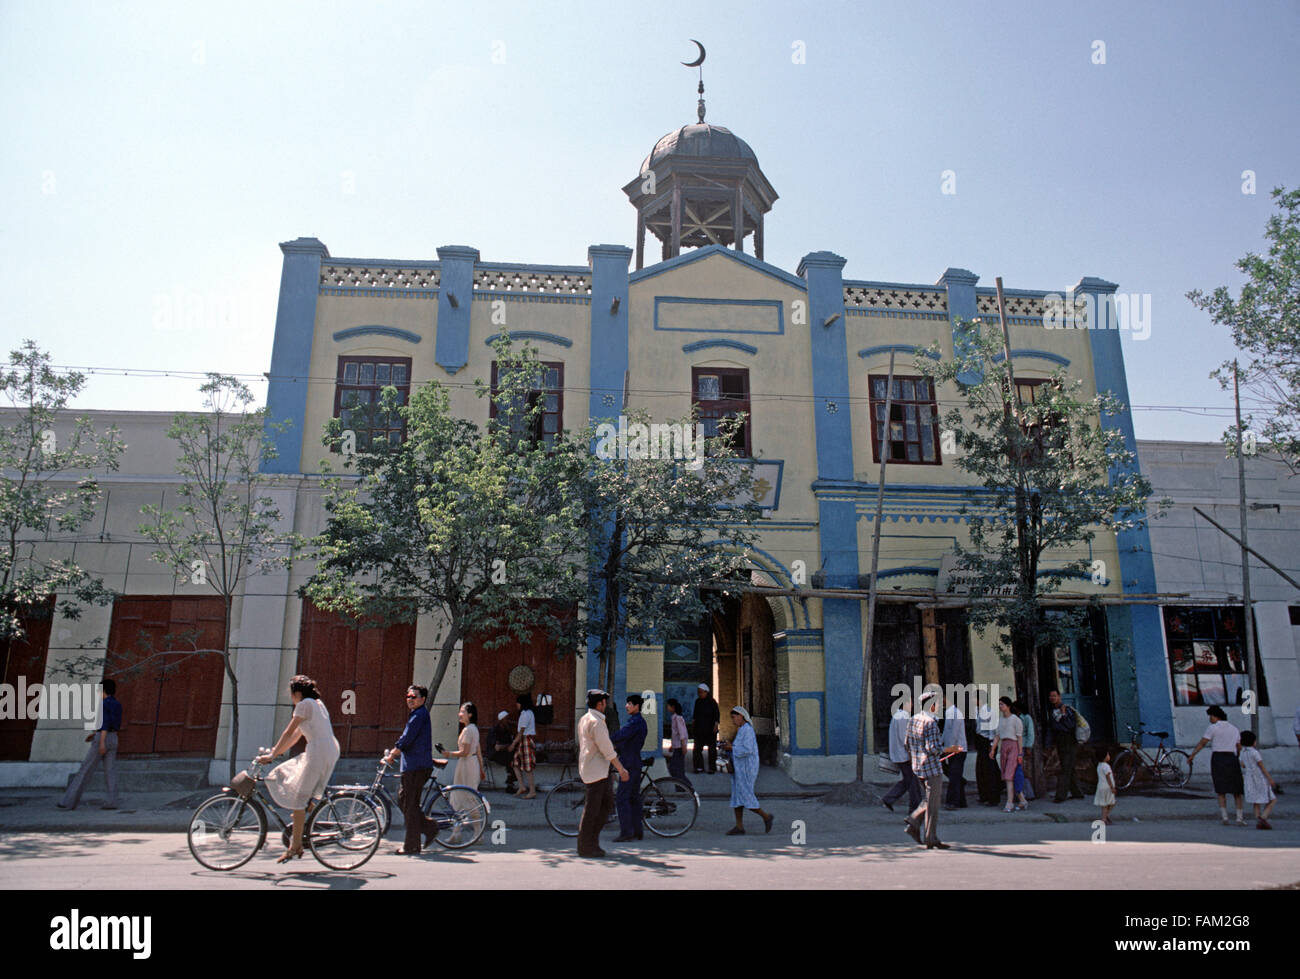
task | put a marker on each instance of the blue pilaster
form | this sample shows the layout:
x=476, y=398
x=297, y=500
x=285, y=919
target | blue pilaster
x=1136, y=566
x=607, y=367
x=836, y=519
x=295, y=325
x=455, y=296
x=960, y=284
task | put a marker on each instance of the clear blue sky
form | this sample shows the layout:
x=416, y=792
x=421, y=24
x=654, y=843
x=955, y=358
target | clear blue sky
x=155, y=154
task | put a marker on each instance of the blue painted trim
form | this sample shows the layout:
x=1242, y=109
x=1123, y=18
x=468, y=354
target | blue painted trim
x=902, y=348
x=817, y=695
x=699, y=345
x=961, y=306
x=570, y=298
x=526, y=267
x=531, y=335
x=451, y=351
x=698, y=254
x=872, y=284
x=896, y=314
x=1136, y=565
x=383, y=331
x=295, y=331
x=692, y=301
x=1028, y=353
x=385, y=263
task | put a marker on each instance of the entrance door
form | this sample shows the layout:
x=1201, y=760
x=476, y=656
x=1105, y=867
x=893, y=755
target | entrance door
x=1080, y=672
x=376, y=664
x=25, y=658
x=171, y=697
x=486, y=680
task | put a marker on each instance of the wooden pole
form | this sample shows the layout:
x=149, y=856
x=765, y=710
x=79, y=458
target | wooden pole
x=930, y=644
x=875, y=565
x=1249, y=627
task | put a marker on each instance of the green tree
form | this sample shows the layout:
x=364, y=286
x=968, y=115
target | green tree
x=1048, y=477
x=46, y=485
x=1265, y=323
x=479, y=525
x=224, y=527
x=665, y=537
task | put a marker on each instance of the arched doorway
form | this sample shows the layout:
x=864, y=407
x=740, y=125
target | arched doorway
x=744, y=666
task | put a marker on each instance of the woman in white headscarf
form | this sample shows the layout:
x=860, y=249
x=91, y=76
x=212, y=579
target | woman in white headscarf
x=744, y=772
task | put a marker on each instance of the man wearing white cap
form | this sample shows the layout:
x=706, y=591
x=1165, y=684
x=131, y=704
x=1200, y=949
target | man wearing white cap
x=705, y=728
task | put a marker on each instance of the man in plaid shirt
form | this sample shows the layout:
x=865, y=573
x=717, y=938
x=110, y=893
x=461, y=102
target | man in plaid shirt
x=925, y=745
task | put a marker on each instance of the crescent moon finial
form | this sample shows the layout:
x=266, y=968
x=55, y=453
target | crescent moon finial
x=698, y=61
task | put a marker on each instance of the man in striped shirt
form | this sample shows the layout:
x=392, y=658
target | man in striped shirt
x=925, y=746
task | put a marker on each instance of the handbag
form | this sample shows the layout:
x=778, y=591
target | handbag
x=243, y=785
x=544, y=710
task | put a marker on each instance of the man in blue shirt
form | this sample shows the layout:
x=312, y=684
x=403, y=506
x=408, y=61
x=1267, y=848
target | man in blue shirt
x=628, y=741
x=103, y=747
x=415, y=747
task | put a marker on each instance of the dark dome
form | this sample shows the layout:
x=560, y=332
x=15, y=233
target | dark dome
x=699, y=140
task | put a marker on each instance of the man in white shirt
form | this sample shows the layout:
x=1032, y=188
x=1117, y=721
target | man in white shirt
x=901, y=757
x=954, y=736
x=595, y=754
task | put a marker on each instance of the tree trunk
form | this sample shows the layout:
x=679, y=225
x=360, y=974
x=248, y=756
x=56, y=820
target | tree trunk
x=444, y=658
x=234, y=694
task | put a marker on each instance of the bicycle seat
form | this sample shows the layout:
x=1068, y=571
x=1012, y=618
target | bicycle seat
x=440, y=763
x=1158, y=734
x=647, y=762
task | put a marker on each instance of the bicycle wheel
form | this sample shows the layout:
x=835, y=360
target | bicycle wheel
x=1124, y=769
x=343, y=832
x=1176, y=769
x=226, y=831
x=460, y=815
x=564, y=806
x=669, y=807
x=381, y=805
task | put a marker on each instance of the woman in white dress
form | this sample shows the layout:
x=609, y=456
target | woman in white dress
x=297, y=781
x=469, y=751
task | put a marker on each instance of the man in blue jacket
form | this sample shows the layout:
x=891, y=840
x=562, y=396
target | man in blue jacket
x=415, y=747
x=628, y=741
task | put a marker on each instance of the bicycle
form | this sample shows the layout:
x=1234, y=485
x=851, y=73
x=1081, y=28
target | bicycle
x=1173, y=767
x=227, y=830
x=460, y=822
x=668, y=806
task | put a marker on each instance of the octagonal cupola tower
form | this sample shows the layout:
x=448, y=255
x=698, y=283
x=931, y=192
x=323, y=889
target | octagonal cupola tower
x=700, y=185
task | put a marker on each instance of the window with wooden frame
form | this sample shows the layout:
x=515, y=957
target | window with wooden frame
x=547, y=390
x=1030, y=392
x=912, y=431
x=357, y=395
x=721, y=392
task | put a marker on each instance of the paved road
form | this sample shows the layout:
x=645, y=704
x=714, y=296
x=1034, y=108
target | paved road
x=1183, y=854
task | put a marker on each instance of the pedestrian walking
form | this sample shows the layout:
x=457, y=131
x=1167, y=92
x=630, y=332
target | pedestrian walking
x=1006, y=749
x=704, y=722
x=986, y=772
x=927, y=755
x=1225, y=770
x=900, y=756
x=1105, y=795
x=744, y=773
x=102, y=750
x=595, y=754
x=1062, y=735
x=677, y=741
x=628, y=742
x=1259, y=783
x=415, y=748
x=524, y=747
x=954, y=766
x=469, y=749
x=296, y=782
x=1024, y=772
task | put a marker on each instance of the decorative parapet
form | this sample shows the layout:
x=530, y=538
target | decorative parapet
x=359, y=279
x=1030, y=308
x=533, y=280
x=882, y=299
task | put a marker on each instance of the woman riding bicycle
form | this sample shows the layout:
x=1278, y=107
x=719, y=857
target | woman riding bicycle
x=299, y=780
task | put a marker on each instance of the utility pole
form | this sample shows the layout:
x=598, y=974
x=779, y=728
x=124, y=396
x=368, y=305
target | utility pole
x=875, y=565
x=1249, y=627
